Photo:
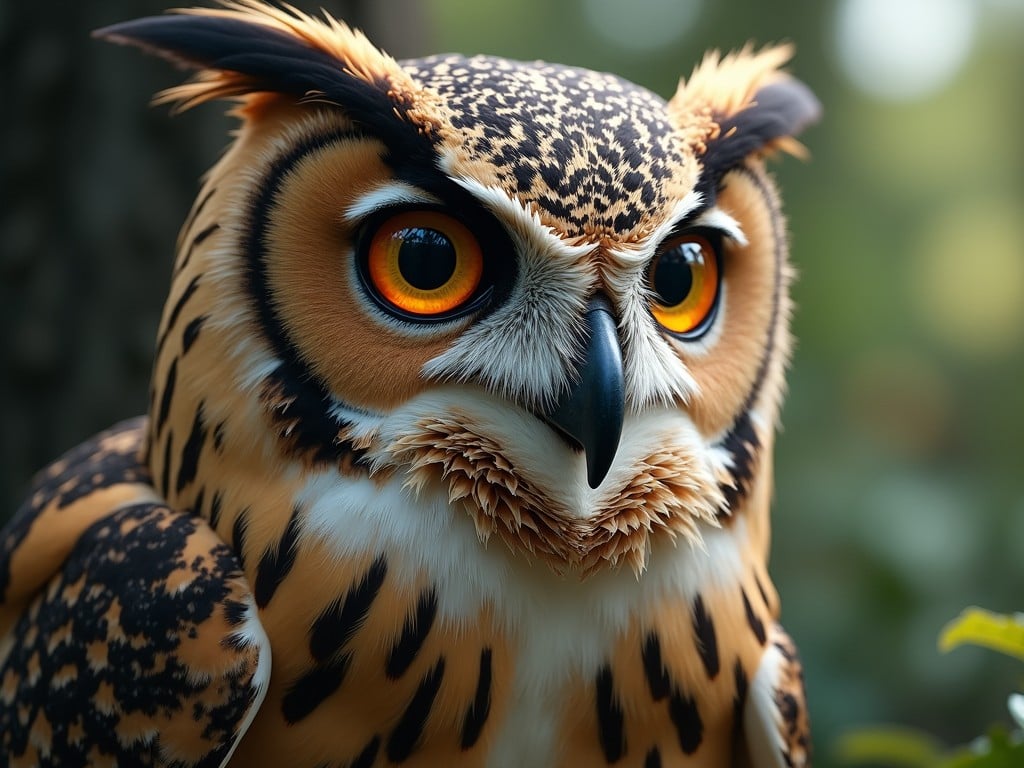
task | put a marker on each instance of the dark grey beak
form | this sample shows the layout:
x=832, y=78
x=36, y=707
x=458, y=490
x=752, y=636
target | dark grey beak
x=590, y=412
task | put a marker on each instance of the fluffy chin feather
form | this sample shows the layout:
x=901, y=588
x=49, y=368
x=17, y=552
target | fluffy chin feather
x=518, y=481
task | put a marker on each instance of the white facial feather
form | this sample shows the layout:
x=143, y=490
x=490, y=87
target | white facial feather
x=654, y=374
x=526, y=348
x=537, y=453
x=386, y=195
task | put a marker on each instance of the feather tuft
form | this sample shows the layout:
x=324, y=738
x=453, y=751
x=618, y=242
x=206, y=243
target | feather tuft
x=248, y=47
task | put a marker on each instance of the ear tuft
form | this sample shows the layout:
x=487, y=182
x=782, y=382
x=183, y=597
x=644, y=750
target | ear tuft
x=248, y=47
x=741, y=104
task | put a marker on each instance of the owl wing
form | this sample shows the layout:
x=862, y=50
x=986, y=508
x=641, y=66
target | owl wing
x=775, y=723
x=128, y=634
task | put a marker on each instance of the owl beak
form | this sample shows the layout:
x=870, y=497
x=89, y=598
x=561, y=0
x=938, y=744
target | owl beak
x=591, y=411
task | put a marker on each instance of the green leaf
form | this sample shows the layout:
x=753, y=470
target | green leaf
x=990, y=630
x=890, y=745
x=997, y=750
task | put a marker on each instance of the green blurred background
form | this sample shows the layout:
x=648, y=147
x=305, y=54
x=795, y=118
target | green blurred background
x=900, y=492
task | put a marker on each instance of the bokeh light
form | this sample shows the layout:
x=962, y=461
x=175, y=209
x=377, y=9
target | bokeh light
x=904, y=49
x=968, y=286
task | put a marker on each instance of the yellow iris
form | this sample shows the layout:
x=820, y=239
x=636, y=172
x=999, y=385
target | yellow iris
x=684, y=280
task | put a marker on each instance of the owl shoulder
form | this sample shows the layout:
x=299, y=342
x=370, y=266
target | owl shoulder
x=133, y=616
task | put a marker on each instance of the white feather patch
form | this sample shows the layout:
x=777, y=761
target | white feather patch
x=252, y=634
x=761, y=720
x=386, y=195
x=525, y=350
x=358, y=515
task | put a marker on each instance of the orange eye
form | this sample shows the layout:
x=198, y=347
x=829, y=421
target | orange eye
x=685, y=280
x=424, y=263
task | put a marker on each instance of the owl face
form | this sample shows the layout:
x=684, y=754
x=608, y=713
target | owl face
x=540, y=293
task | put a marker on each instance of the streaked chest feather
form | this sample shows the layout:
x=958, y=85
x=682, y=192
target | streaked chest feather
x=396, y=633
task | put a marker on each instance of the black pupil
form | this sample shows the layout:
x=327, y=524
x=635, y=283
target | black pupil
x=673, y=273
x=426, y=258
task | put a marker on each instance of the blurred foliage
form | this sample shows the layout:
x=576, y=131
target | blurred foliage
x=898, y=748
x=988, y=630
x=900, y=492
x=905, y=748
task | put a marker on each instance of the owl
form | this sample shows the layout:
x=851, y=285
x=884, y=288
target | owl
x=459, y=447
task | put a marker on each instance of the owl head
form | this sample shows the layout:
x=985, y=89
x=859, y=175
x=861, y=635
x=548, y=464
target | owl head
x=540, y=293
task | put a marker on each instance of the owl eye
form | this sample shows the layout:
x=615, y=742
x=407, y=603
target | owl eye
x=423, y=265
x=684, y=279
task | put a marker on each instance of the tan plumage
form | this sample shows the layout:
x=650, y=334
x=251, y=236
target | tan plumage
x=459, y=450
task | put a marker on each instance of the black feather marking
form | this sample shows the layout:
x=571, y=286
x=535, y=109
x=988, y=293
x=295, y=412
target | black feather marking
x=789, y=708
x=197, y=209
x=191, y=333
x=80, y=472
x=298, y=401
x=414, y=632
x=191, y=452
x=366, y=758
x=756, y=625
x=197, y=505
x=179, y=305
x=739, y=701
x=165, y=474
x=335, y=626
x=476, y=715
x=239, y=641
x=167, y=396
x=403, y=739
x=742, y=444
x=707, y=642
x=215, y=509
x=238, y=533
x=653, y=759
x=276, y=62
x=780, y=109
x=301, y=407
x=121, y=563
x=277, y=562
x=87, y=468
x=741, y=440
x=196, y=242
x=610, y=719
x=234, y=612
x=657, y=675
x=309, y=691
x=218, y=437
x=788, y=650
x=685, y=717
x=763, y=591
